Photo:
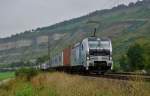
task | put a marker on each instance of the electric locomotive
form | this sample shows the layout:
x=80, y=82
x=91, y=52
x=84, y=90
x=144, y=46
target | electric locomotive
x=97, y=54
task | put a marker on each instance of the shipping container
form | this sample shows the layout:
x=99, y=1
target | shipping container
x=57, y=61
x=66, y=56
x=76, y=55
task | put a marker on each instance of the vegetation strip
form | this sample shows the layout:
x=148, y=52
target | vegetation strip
x=62, y=84
x=119, y=77
x=6, y=75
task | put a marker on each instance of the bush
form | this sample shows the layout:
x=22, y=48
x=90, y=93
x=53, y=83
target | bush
x=26, y=73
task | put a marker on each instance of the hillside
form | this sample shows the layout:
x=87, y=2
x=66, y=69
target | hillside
x=123, y=24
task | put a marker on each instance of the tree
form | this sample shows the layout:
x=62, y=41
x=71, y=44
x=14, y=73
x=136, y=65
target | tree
x=147, y=56
x=135, y=57
x=123, y=61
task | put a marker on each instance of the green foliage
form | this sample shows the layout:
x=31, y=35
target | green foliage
x=123, y=61
x=27, y=90
x=135, y=56
x=6, y=75
x=26, y=73
x=42, y=59
x=20, y=87
x=147, y=56
x=116, y=67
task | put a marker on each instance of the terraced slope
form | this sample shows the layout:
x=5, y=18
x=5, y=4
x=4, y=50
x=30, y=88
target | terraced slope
x=123, y=24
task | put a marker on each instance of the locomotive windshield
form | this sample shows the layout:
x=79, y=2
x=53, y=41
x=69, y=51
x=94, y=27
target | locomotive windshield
x=99, y=47
x=99, y=44
x=105, y=44
x=93, y=44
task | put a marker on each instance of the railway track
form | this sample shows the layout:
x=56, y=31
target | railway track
x=120, y=76
x=113, y=75
x=130, y=73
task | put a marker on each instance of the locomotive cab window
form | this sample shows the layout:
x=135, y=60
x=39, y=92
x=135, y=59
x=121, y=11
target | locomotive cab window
x=93, y=44
x=105, y=44
x=96, y=44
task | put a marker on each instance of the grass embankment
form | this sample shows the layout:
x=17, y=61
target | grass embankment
x=6, y=75
x=61, y=84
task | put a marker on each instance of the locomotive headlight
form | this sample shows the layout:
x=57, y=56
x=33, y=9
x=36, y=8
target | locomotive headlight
x=110, y=57
x=87, y=56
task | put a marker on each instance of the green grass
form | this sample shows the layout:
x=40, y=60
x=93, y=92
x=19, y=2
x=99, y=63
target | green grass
x=6, y=75
x=61, y=84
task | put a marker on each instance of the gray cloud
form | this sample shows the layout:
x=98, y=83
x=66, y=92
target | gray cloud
x=20, y=15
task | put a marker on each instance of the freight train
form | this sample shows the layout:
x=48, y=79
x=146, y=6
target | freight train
x=92, y=54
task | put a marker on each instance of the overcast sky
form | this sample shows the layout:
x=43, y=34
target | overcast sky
x=19, y=15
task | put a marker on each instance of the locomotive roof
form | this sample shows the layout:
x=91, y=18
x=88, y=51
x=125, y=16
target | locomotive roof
x=96, y=38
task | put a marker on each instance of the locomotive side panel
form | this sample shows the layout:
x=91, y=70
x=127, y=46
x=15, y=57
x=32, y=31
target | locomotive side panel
x=73, y=51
